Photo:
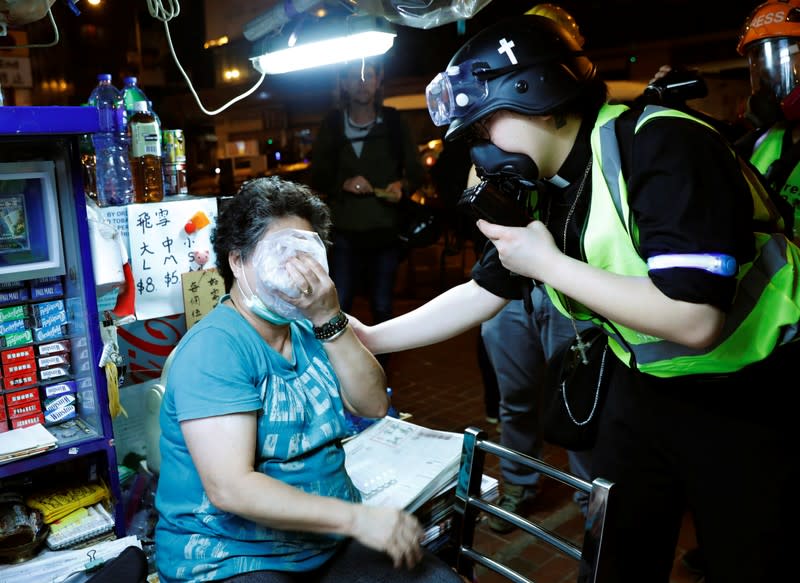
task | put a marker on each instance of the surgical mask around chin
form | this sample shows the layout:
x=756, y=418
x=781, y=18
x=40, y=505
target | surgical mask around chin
x=253, y=303
x=269, y=265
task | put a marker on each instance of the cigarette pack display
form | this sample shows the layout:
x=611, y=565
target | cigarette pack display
x=16, y=339
x=47, y=278
x=54, y=390
x=27, y=421
x=14, y=312
x=45, y=291
x=53, y=348
x=21, y=366
x=13, y=296
x=54, y=360
x=12, y=326
x=19, y=381
x=55, y=372
x=45, y=309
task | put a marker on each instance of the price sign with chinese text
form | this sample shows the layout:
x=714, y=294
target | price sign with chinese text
x=163, y=249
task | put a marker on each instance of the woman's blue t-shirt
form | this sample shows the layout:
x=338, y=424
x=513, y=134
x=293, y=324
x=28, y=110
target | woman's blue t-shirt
x=222, y=366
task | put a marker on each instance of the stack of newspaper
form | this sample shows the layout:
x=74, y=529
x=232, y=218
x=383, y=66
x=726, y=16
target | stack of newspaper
x=403, y=465
x=25, y=442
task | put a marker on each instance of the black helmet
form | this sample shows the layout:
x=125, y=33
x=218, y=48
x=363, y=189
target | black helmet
x=529, y=64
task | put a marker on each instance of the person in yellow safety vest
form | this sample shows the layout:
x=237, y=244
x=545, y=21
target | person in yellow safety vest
x=666, y=239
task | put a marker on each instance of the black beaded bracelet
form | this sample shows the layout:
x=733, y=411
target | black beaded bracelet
x=332, y=328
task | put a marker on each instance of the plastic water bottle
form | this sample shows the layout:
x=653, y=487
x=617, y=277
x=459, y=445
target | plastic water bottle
x=146, y=164
x=114, y=180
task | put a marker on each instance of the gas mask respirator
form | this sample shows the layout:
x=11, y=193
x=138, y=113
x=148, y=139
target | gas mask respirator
x=507, y=180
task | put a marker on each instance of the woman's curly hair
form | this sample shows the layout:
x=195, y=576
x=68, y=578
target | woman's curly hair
x=245, y=217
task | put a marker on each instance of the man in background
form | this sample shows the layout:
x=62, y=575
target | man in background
x=364, y=162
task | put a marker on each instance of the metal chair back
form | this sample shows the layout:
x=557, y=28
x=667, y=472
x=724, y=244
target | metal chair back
x=593, y=555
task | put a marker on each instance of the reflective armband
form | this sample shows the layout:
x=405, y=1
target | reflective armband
x=716, y=263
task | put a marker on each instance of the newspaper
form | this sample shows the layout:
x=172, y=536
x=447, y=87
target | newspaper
x=400, y=464
x=25, y=442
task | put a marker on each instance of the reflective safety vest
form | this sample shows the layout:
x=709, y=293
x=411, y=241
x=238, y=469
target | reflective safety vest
x=767, y=151
x=765, y=312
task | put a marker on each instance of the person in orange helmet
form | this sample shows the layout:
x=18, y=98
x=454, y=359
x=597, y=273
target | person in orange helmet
x=770, y=40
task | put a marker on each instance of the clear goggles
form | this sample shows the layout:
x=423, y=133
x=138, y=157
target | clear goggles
x=775, y=66
x=455, y=92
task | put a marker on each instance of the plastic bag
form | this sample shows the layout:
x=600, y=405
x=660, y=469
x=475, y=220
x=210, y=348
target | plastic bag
x=423, y=14
x=270, y=259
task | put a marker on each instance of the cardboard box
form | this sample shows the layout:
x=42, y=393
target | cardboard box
x=45, y=309
x=54, y=372
x=51, y=319
x=12, y=326
x=46, y=291
x=53, y=332
x=60, y=415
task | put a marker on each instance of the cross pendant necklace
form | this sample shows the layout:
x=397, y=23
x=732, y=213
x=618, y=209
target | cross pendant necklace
x=579, y=345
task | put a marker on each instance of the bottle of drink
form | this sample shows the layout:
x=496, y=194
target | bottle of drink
x=174, y=155
x=131, y=93
x=145, y=138
x=88, y=166
x=112, y=166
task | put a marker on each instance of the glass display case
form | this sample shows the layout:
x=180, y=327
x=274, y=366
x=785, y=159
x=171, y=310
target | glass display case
x=50, y=340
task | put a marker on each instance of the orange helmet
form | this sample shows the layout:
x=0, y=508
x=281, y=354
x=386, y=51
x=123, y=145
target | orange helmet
x=772, y=19
x=562, y=17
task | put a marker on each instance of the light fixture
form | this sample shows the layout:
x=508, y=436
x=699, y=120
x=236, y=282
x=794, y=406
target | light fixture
x=325, y=43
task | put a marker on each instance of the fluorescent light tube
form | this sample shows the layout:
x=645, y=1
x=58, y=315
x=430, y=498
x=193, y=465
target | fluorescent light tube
x=324, y=52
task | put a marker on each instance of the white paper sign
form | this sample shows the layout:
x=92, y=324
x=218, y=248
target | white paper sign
x=162, y=248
